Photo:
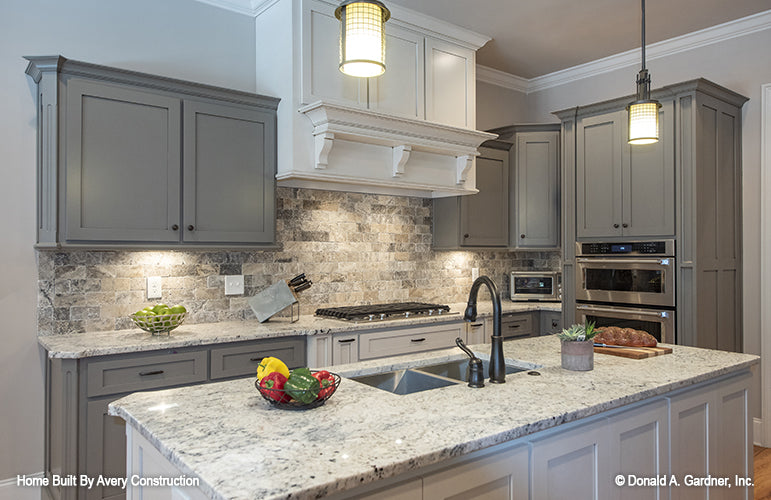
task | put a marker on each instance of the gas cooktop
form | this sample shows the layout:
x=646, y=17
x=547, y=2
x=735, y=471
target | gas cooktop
x=382, y=312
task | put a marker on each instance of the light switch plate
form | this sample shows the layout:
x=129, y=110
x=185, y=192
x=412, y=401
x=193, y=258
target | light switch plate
x=234, y=285
x=154, y=290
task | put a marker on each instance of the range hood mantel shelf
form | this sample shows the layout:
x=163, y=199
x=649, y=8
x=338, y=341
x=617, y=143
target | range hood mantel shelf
x=438, y=147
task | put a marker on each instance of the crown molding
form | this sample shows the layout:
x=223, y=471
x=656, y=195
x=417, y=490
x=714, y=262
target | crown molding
x=702, y=38
x=493, y=76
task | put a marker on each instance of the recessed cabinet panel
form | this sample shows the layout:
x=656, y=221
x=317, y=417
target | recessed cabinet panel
x=322, y=78
x=400, y=90
x=228, y=174
x=450, y=85
x=484, y=216
x=122, y=164
x=105, y=433
x=598, y=175
x=536, y=184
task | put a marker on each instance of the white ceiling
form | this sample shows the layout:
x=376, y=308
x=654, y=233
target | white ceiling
x=531, y=38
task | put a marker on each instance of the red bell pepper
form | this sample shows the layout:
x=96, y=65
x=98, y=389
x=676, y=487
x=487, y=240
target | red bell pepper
x=273, y=383
x=327, y=382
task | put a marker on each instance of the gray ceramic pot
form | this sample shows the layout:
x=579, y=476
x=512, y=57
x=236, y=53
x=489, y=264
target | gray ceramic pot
x=578, y=356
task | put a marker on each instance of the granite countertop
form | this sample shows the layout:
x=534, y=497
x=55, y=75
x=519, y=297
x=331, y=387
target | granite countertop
x=242, y=448
x=83, y=345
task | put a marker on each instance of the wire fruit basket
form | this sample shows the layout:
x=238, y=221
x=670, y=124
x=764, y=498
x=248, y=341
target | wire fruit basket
x=280, y=399
x=159, y=324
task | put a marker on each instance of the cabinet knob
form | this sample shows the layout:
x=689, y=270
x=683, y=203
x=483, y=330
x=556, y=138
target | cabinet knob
x=190, y=227
x=615, y=225
x=465, y=235
x=522, y=235
x=175, y=227
x=624, y=225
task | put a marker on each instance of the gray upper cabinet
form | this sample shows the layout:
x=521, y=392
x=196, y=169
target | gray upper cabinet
x=624, y=190
x=228, y=174
x=478, y=220
x=535, y=211
x=134, y=160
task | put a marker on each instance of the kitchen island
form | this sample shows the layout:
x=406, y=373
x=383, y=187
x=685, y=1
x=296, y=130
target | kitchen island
x=547, y=431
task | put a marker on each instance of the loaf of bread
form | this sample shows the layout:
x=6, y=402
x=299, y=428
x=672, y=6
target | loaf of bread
x=614, y=335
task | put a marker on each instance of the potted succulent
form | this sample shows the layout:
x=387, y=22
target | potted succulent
x=578, y=347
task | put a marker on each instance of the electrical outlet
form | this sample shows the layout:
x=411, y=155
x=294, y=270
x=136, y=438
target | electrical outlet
x=474, y=273
x=234, y=285
x=154, y=290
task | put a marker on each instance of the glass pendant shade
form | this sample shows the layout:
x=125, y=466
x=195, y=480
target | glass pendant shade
x=362, y=37
x=644, y=122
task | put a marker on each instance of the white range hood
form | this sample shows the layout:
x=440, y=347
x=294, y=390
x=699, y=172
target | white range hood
x=361, y=150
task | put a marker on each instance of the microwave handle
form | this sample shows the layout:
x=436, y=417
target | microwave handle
x=654, y=314
x=661, y=262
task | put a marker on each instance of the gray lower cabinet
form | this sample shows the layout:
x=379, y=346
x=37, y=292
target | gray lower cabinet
x=136, y=160
x=624, y=190
x=551, y=322
x=81, y=438
x=518, y=325
x=478, y=220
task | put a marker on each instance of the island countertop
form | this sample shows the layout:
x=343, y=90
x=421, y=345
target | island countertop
x=89, y=344
x=240, y=447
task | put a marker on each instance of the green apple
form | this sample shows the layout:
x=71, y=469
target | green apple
x=178, y=309
x=161, y=309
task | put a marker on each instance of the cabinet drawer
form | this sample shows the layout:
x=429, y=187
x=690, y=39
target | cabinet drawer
x=395, y=342
x=141, y=373
x=517, y=325
x=242, y=359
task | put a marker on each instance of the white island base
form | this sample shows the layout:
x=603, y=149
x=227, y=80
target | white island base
x=694, y=442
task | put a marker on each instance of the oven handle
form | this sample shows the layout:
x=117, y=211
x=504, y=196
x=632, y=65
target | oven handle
x=655, y=314
x=662, y=262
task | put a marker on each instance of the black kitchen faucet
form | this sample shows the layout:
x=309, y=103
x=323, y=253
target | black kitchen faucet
x=497, y=366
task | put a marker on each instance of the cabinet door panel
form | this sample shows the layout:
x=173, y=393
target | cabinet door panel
x=537, y=190
x=649, y=182
x=345, y=349
x=229, y=174
x=691, y=447
x=321, y=57
x=484, y=216
x=500, y=476
x=105, y=449
x=122, y=164
x=242, y=360
x=599, y=154
x=400, y=90
x=450, y=84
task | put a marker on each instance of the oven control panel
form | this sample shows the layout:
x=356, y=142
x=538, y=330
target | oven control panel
x=652, y=248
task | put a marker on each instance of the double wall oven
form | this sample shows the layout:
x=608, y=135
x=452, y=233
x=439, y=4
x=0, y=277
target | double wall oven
x=627, y=284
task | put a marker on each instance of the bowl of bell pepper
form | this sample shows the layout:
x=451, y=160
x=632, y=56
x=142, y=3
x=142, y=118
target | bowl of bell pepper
x=298, y=389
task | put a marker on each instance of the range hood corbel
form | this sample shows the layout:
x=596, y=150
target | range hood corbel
x=355, y=149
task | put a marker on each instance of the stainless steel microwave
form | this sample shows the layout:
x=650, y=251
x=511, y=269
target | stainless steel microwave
x=536, y=286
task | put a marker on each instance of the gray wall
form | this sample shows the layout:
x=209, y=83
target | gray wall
x=177, y=38
x=499, y=107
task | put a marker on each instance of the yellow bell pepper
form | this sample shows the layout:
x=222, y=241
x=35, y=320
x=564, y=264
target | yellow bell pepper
x=270, y=365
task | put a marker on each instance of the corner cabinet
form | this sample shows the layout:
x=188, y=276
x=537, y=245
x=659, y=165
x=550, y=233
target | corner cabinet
x=134, y=160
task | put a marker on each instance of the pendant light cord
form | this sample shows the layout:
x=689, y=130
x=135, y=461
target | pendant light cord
x=643, y=34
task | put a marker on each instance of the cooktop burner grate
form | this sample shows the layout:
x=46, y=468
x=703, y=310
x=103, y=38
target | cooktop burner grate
x=381, y=312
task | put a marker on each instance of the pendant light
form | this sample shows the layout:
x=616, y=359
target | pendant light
x=362, y=37
x=644, y=111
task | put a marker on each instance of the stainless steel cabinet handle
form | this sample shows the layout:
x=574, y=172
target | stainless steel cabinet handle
x=345, y=341
x=637, y=312
x=153, y=372
x=646, y=262
x=418, y=340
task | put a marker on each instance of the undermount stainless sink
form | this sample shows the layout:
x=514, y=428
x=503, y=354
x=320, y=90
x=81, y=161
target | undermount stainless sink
x=458, y=370
x=425, y=378
x=405, y=381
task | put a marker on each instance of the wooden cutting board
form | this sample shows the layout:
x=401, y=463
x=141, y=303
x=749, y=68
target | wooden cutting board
x=634, y=352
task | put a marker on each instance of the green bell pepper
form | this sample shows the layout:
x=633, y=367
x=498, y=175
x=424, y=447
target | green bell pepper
x=302, y=386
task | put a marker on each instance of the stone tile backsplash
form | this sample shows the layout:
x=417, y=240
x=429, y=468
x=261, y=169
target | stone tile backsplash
x=356, y=248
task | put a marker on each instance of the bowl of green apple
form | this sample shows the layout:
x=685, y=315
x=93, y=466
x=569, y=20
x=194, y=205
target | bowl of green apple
x=159, y=319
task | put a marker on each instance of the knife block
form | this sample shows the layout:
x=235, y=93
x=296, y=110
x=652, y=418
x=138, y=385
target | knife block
x=274, y=299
